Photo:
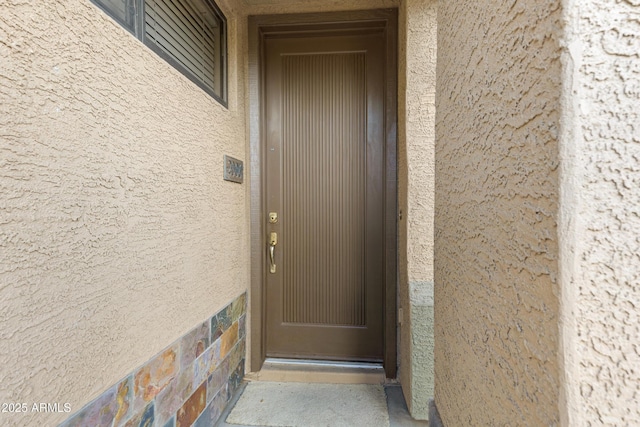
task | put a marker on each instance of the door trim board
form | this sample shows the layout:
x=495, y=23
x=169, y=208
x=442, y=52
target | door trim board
x=261, y=27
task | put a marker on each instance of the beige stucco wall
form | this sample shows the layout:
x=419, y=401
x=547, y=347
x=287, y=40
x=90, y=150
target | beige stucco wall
x=117, y=232
x=496, y=246
x=416, y=140
x=600, y=215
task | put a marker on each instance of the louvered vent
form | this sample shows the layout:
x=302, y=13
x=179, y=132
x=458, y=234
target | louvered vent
x=190, y=32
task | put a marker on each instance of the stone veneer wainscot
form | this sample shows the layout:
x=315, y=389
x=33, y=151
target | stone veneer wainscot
x=187, y=384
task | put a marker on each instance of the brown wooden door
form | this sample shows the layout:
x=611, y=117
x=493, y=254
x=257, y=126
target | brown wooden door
x=325, y=180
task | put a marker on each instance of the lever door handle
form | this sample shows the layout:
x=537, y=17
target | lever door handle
x=273, y=241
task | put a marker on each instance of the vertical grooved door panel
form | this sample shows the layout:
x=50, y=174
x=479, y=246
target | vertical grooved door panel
x=324, y=168
x=323, y=189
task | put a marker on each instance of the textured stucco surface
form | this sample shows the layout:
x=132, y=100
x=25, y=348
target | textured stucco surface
x=601, y=214
x=117, y=232
x=496, y=199
x=416, y=108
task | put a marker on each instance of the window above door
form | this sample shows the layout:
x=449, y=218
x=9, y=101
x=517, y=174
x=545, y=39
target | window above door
x=188, y=34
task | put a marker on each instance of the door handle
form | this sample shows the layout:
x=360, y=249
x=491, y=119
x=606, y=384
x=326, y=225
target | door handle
x=273, y=241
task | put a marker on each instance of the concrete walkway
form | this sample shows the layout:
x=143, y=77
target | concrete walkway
x=268, y=404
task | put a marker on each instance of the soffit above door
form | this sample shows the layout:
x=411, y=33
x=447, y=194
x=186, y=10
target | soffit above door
x=255, y=2
x=392, y=3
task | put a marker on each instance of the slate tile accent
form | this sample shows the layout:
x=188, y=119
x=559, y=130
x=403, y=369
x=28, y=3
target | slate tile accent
x=169, y=400
x=124, y=400
x=145, y=418
x=193, y=407
x=154, y=376
x=228, y=340
x=207, y=363
x=238, y=307
x=236, y=378
x=242, y=327
x=237, y=354
x=217, y=380
x=194, y=344
x=220, y=323
x=187, y=384
x=213, y=411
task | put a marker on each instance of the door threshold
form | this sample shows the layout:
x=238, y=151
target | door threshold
x=319, y=371
x=320, y=364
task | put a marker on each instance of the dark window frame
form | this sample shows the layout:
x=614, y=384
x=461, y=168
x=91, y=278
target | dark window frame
x=134, y=23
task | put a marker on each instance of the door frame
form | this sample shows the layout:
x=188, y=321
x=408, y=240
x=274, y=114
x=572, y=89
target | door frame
x=263, y=26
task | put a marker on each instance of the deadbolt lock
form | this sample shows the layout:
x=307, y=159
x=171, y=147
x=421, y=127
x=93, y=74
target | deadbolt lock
x=273, y=217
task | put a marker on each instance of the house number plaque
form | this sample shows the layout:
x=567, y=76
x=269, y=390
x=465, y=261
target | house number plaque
x=233, y=169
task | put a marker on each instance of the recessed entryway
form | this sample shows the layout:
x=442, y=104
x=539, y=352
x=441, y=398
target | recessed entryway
x=324, y=187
